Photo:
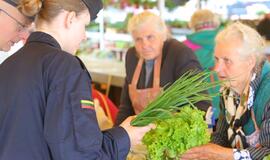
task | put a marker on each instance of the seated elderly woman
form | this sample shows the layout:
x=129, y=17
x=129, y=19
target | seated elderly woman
x=154, y=62
x=243, y=130
x=205, y=25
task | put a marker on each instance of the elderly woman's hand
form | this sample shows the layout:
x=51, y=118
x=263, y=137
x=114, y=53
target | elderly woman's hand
x=208, y=152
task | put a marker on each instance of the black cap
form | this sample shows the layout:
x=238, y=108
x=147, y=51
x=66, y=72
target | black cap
x=94, y=6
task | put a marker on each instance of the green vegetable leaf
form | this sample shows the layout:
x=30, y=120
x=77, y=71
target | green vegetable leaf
x=173, y=136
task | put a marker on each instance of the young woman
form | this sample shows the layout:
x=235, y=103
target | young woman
x=46, y=109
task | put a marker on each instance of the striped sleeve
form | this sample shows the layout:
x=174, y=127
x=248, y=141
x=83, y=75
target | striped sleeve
x=219, y=136
x=264, y=139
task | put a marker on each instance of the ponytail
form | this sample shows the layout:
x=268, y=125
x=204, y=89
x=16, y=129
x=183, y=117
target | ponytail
x=30, y=8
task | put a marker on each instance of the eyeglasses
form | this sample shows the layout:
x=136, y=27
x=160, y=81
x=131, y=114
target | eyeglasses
x=21, y=26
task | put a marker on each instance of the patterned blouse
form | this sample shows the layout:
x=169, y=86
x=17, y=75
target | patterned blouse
x=220, y=136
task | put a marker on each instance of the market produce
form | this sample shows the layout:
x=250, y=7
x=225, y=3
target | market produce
x=173, y=136
x=187, y=90
x=179, y=124
x=267, y=157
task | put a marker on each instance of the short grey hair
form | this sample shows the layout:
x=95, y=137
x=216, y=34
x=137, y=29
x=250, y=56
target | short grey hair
x=204, y=17
x=138, y=20
x=252, y=42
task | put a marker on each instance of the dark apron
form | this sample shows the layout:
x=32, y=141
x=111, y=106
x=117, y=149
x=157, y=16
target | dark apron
x=140, y=98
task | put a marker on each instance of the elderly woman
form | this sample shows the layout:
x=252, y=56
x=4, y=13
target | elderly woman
x=205, y=25
x=13, y=24
x=243, y=129
x=154, y=62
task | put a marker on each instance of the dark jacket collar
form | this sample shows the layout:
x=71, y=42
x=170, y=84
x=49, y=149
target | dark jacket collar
x=43, y=38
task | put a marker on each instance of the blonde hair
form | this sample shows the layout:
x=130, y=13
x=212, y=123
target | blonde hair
x=204, y=17
x=252, y=42
x=140, y=19
x=49, y=9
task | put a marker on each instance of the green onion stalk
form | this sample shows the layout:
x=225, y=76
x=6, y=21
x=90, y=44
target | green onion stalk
x=189, y=89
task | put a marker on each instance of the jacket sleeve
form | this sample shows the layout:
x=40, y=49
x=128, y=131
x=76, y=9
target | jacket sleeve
x=70, y=125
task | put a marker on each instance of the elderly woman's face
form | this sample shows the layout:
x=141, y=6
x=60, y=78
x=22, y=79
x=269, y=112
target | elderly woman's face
x=13, y=26
x=229, y=65
x=148, y=41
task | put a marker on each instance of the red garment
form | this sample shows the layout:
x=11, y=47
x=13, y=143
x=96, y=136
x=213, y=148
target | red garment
x=192, y=45
x=103, y=101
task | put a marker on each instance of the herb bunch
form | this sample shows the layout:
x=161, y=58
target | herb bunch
x=189, y=89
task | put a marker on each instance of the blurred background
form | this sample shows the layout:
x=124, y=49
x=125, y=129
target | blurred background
x=108, y=40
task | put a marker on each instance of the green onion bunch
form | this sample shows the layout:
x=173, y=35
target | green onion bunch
x=189, y=89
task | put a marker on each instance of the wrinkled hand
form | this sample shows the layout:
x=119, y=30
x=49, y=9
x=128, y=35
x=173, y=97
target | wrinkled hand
x=135, y=133
x=209, y=151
